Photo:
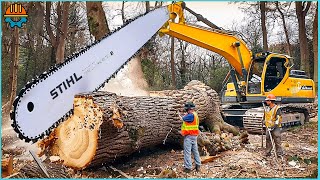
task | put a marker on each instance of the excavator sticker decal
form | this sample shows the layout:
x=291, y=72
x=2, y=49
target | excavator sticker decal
x=306, y=88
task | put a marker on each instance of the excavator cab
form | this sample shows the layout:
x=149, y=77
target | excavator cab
x=272, y=73
x=266, y=72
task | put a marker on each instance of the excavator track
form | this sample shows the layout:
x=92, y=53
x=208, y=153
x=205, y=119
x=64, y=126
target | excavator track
x=52, y=70
x=291, y=115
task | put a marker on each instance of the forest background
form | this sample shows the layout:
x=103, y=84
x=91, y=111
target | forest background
x=56, y=30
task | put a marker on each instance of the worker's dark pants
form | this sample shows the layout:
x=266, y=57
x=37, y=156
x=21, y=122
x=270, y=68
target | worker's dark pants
x=276, y=136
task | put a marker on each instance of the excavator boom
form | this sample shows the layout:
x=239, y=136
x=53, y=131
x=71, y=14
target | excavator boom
x=216, y=40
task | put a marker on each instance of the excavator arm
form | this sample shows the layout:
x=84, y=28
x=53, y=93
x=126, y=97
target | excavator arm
x=233, y=49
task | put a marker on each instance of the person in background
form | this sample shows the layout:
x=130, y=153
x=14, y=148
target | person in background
x=272, y=119
x=190, y=132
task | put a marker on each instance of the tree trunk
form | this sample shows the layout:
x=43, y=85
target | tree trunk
x=301, y=11
x=14, y=64
x=174, y=83
x=97, y=21
x=147, y=6
x=106, y=126
x=58, y=40
x=315, y=47
x=289, y=51
x=122, y=12
x=263, y=25
x=63, y=34
x=183, y=67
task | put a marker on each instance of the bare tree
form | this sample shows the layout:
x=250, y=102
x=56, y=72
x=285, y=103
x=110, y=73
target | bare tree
x=14, y=64
x=289, y=50
x=174, y=83
x=64, y=28
x=263, y=25
x=315, y=47
x=122, y=12
x=183, y=64
x=301, y=11
x=58, y=40
x=147, y=6
x=97, y=21
x=158, y=4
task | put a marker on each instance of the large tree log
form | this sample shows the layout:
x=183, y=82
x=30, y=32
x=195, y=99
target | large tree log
x=106, y=126
x=207, y=103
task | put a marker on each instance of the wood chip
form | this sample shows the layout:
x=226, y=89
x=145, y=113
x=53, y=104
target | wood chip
x=120, y=172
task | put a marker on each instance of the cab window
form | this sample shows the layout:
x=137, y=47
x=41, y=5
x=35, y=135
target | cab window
x=274, y=73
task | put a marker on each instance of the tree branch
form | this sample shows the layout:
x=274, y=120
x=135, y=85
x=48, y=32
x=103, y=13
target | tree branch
x=65, y=19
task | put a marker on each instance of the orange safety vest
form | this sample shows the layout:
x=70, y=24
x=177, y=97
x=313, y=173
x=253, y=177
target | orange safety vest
x=191, y=128
x=271, y=116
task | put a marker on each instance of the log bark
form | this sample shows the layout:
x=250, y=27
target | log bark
x=207, y=103
x=32, y=170
x=106, y=126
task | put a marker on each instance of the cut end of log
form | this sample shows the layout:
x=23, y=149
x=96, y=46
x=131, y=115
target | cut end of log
x=75, y=140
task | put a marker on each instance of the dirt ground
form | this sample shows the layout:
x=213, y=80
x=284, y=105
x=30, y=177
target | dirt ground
x=300, y=144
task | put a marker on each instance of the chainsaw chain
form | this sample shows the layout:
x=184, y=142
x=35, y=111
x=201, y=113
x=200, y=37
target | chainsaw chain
x=54, y=69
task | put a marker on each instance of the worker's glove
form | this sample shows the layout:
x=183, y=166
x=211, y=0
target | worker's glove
x=277, y=121
x=272, y=127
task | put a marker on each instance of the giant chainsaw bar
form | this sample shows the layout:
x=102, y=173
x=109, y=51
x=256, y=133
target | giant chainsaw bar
x=48, y=100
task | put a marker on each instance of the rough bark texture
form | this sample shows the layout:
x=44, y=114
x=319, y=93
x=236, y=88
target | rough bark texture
x=64, y=28
x=97, y=21
x=301, y=11
x=32, y=170
x=106, y=126
x=207, y=103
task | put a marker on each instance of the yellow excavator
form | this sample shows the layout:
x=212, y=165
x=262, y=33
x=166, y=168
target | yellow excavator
x=253, y=76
